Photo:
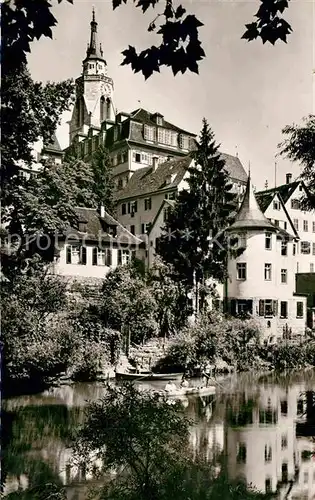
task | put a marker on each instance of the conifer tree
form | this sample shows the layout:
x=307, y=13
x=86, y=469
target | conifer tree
x=192, y=239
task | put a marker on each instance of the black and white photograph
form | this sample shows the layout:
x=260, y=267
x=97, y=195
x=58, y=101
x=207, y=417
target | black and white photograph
x=157, y=250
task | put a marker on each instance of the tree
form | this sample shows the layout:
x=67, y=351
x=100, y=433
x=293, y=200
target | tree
x=136, y=432
x=128, y=304
x=23, y=21
x=33, y=336
x=103, y=179
x=172, y=312
x=299, y=146
x=191, y=240
x=29, y=111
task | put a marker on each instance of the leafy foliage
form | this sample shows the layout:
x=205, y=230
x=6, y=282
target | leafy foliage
x=299, y=146
x=137, y=431
x=128, y=302
x=32, y=340
x=27, y=20
x=200, y=214
x=234, y=341
x=269, y=25
x=30, y=111
x=103, y=185
x=170, y=297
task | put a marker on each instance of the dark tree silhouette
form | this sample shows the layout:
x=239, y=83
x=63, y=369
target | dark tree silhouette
x=24, y=21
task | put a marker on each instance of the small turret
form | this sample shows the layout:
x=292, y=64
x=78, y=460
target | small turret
x=249, y=215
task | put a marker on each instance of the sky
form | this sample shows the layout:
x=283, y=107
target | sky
x=247, y=91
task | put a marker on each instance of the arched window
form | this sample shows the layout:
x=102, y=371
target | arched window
x=78, y=112
x=102, y=109
x=108, y=103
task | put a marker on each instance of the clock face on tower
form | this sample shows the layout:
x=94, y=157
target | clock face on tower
x=107, y=89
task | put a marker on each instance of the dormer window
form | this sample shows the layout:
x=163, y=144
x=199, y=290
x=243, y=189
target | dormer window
x=82, y=226
x=111, y=230
x=158, y=119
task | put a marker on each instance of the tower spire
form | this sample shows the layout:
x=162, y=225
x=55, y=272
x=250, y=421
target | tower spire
x=94, y=50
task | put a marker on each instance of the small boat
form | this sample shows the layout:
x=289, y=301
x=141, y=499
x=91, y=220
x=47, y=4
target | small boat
x=190, y=391
x=132, y=375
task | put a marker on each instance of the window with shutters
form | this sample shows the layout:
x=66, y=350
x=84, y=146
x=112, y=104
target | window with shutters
x=76, y=254
x=147, y=203
x=305, y=226
x=268, y=269
x=268, y=308
x=145, y=227
x=124, y=257
x=132, y=207
x=299, y=309
x=241, y=271
x=102, y=257
x=305, y=247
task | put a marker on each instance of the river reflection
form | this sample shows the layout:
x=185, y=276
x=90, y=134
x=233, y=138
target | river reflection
x=262, y=426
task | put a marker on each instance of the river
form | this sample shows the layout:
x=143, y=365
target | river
x=262, y=424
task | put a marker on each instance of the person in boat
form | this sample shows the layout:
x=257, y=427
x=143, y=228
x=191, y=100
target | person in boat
x=170, y=387
x=184, y=382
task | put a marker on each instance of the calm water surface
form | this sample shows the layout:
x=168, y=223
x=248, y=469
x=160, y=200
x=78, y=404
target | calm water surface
x=263, y=425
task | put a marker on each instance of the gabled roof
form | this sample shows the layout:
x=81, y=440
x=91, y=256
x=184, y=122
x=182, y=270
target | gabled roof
x=285, y=191
x=169, y=203
x=250, y=215
x=53, y=145
x=145, y=180
x=234, y=167
x=97, y=228
x=146, y=117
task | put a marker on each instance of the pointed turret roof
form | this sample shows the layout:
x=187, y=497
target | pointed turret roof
x=249, y=215
x=94, y=49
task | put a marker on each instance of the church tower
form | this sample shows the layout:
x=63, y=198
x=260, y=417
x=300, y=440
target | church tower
x=93, y=90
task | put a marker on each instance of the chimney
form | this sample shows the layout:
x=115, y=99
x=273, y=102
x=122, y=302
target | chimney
x=288, y=178
x=155, y=160
x=102, y=211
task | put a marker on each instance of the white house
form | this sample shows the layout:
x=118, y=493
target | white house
x=261, y=270
x=97, y=244
x=282, y=205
